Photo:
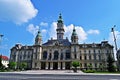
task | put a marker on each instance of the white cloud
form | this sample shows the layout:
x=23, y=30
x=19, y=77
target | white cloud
x=52, y=31
x=43, y=24
x=17, y=11
x=82, y=35
x=44, y=30
x=32, y=29
x=79, y=30
x=93, y=31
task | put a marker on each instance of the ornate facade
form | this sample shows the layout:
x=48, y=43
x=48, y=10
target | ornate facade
x=59, y=53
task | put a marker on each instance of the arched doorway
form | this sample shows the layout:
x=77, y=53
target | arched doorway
x=67, y=65
x=43, y=65
x=55, y=65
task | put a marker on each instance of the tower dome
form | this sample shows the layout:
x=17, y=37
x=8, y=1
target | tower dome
x=38, y=38
x=60, y=28
x=74, y=37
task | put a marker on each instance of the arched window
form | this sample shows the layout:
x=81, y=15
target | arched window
x=67, y=54
x=61, y=57
x=56, y=54
x=45, y=55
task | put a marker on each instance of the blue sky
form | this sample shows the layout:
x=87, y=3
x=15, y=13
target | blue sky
x=93, y=19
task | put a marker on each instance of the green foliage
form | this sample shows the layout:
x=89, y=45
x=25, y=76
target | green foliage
x=89, y=71
x=22, y=65
x=12, y=65
x=75, y=64
x=110, y=65
x=89, y=66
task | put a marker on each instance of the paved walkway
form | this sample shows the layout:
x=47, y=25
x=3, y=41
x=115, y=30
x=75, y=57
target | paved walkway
x=51, y=72
x=60, y=72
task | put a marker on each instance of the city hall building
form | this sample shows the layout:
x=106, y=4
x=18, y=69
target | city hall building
x=58, y=54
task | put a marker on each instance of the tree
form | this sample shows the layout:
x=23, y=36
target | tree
x=12, y=65
x=89, y=66
x=22, y=65
x=75, y=64
x=110, y=65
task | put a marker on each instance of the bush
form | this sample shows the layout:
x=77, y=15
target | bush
x=75, y=64
x=89, y=71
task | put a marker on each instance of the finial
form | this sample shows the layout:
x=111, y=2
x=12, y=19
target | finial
x=60, y=16
x=38, y=29
x=73, y=28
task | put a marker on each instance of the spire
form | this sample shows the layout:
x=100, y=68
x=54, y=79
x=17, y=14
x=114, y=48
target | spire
x=60, y=18
x=74, y=37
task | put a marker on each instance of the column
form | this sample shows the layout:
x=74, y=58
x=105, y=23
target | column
x=77, y=53
x=59, y=65
x=64, y=56
x=82, y=56
x=51, y=65
x=47, y=54
x=46, y=65
x=59, y=56
x=52, y=55
x=63, y=65
x=39, y=65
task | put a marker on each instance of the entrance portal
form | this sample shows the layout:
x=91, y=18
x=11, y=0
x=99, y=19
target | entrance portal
x=55, y=65
x=67, y=65
x=43, y=65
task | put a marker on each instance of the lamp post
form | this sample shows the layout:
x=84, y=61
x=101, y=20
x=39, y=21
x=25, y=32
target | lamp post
x=112, y=30
x=1, y=38
x=117, y=51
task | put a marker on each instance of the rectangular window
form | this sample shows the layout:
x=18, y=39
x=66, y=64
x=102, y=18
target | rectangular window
x=89, y=57
x=95, y=64
x=89, y=51
x=85, y=64
x=85, y=57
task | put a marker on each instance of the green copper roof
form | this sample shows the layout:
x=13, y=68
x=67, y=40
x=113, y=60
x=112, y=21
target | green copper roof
x=74, y=32
x=38, y=35
x=60, y=18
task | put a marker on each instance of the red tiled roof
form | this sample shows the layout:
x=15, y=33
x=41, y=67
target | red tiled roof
x=4, y=57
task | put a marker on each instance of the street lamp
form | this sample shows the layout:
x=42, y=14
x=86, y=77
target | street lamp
x=112, y=30
x=1, y=38
x=117, y=51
